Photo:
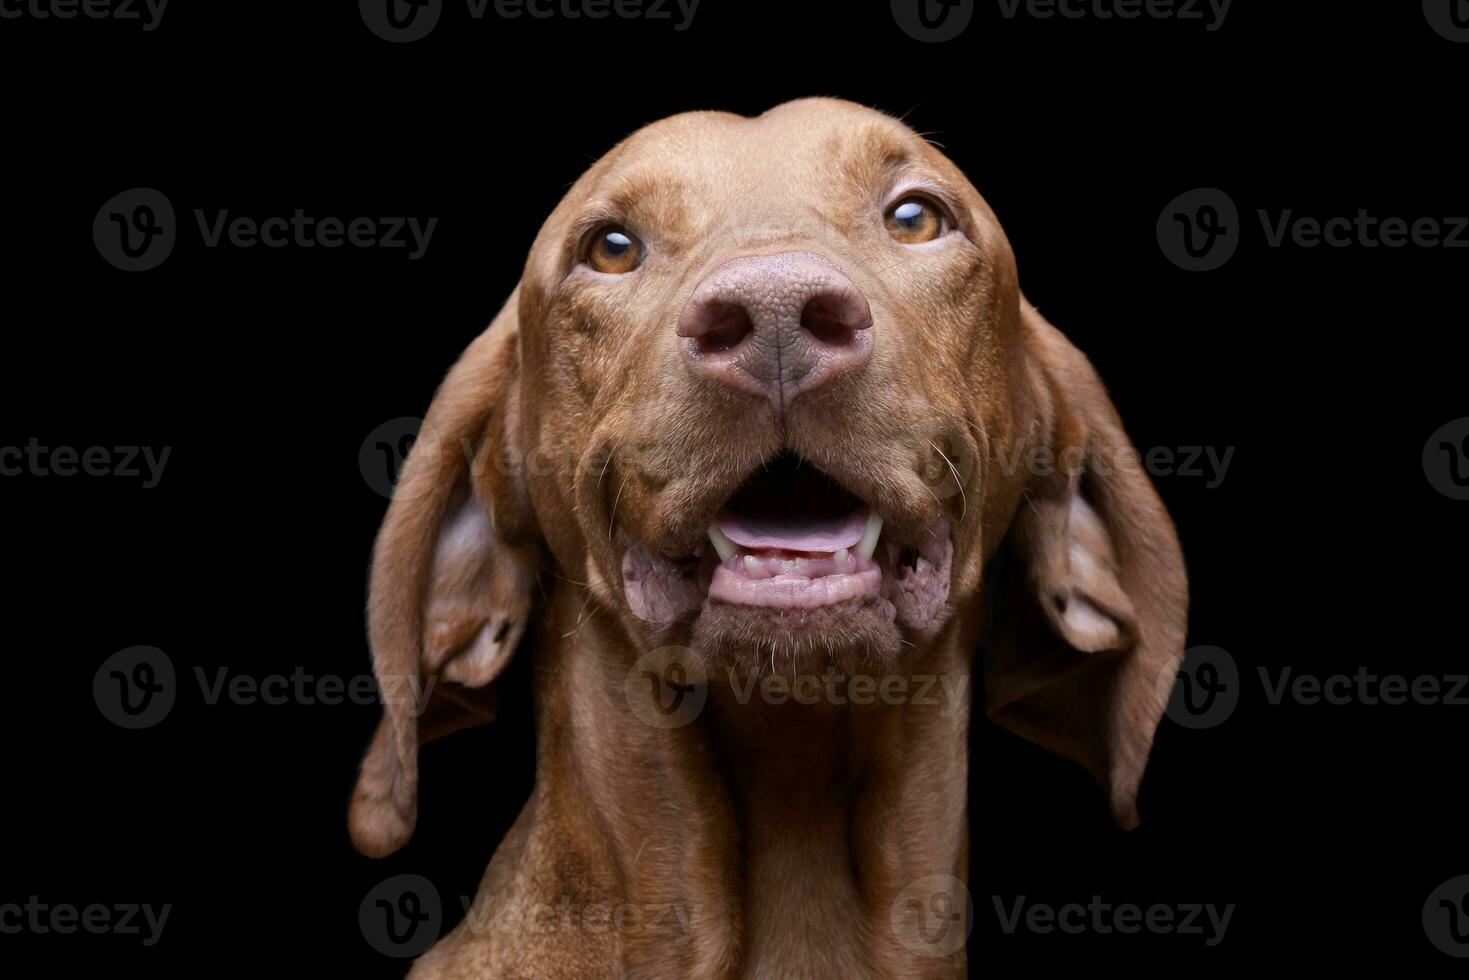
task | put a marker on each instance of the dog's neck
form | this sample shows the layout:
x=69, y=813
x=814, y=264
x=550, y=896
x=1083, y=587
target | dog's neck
x=773, y=832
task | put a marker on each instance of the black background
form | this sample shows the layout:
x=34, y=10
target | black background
x=1324, y=549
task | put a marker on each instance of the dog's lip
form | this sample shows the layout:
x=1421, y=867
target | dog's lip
x=793, y=591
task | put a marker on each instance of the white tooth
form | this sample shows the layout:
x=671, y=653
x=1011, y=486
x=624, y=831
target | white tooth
x=752, y=565
x=722, y=544
x=868, y=544
x=841, y=557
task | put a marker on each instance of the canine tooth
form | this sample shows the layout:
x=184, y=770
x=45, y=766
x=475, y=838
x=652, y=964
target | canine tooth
x=868, y=544
x=841, y=557
x=722, y=544
x=752, y=565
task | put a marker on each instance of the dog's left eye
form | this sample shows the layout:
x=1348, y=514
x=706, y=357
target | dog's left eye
x=913, y=221
x=614, y=250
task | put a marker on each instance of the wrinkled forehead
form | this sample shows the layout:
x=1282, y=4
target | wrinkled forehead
x=794, y=144
x=815, y=162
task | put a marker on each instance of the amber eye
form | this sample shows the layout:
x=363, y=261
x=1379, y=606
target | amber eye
x=614, y=250
x=913, y=221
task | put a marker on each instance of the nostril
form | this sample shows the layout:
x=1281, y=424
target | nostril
x=725, y=325
x=834, y=318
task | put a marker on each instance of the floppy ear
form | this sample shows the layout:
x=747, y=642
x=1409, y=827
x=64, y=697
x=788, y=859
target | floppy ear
x=1092, y=600
x=453, y=574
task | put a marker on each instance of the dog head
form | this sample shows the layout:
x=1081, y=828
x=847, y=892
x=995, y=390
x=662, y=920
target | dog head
x=769, y=389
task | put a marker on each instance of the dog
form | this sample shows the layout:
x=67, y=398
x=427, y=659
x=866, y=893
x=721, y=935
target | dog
x=767, y=412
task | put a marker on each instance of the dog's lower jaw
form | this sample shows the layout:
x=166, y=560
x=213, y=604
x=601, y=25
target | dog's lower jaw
x=867, y=604
x=764, y=834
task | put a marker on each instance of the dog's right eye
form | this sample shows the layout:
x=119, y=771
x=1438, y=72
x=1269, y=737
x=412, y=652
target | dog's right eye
x=614, y=250
x=914, y=220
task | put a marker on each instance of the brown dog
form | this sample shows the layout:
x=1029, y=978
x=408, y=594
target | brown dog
x=767, y=404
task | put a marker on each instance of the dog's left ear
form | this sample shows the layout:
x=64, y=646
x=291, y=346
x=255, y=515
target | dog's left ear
x=453, y=579
x=1092, y=599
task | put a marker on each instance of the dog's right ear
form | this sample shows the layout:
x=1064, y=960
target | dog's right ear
x=453, y=576
x=1096, y=609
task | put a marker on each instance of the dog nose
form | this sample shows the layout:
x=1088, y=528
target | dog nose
x=776, y=325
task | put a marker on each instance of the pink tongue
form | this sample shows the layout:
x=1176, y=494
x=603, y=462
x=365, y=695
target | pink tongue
x=794, y=534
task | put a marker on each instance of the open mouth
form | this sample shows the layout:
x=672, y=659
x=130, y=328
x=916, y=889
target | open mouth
x=794, y=550
x=793, y=538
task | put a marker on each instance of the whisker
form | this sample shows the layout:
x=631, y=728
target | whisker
x=579, y=619
x=963, y=497
x=935, y=500
x=899, y=262
x=612, y=519
x=1038, y=512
